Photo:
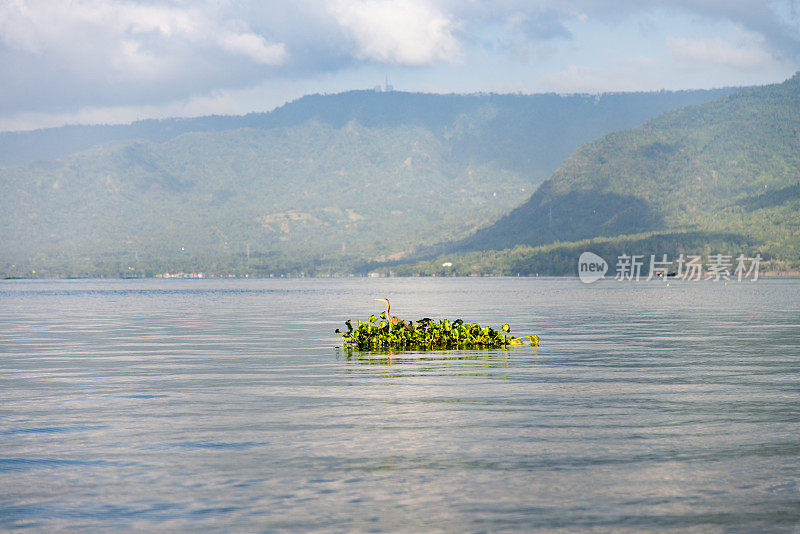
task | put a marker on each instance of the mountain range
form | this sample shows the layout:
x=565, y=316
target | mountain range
x=324, y=185
x=717, y=177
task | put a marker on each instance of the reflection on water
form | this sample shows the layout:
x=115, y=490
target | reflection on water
x=226, y=406
x=399, y=363
x=400, y=357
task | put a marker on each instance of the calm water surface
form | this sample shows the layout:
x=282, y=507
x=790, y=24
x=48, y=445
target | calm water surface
x=225, y=406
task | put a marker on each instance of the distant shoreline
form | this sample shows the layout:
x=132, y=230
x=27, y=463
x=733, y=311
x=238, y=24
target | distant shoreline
x=767, y=274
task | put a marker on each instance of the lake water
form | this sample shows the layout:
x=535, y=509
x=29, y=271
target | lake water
x=225, y=405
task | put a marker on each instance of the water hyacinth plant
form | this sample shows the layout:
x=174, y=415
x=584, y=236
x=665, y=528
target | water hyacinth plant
x=392, y=333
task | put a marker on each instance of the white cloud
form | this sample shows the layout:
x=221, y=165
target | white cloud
x=261, y=97
x=74, y=58
x=403, y=32
x=702, y=53
x=630, y=75
x=131, y=61
x=39, y=25
x=221, y=103
x=255, y=47
x=130, y=40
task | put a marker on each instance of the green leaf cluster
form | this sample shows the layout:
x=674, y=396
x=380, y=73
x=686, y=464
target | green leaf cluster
x=427, y=334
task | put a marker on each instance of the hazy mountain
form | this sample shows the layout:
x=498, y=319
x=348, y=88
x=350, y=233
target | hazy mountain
x=729, y=168
x=554, y=121
x=318, y=185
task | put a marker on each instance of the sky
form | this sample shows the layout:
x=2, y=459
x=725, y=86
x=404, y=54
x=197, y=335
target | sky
x=108, y=61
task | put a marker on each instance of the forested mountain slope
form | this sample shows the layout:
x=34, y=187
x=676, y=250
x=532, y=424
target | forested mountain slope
x=323, y=184
x=731, y=166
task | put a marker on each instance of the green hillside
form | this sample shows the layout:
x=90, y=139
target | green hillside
x=294, y=196
x=729, y=168
x=541, y=129
x=322, y=185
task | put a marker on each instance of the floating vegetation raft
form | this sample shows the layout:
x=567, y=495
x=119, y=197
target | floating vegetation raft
x=427, y=334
